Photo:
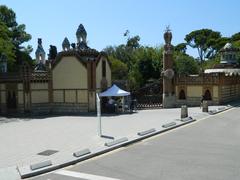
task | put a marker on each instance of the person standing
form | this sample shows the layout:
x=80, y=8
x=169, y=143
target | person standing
x=202, y=99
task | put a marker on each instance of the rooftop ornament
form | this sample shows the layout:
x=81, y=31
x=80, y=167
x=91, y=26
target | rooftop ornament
x=81, y=37
x=40, y=49
x=79, y=48
x=66, y=44
x=40, y=53
x=168, y=48
x=168, y=35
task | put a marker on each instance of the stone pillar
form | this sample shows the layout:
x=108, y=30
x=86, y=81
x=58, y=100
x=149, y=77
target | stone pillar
x=169, y=98
x=26, y=78
x=205, y=106
x=184, y=111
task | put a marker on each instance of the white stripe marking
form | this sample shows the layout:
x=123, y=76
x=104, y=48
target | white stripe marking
x=83, y=175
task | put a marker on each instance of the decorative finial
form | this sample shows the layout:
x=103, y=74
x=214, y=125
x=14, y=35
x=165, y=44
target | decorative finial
x=81, y=34
x=39, y=41
x=40, y=53
x=168, y=28
x=168, y=35
x=66, y=44
x=73, y=45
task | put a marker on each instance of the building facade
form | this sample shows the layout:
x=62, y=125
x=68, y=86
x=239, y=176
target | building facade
x=218, y=85
x=68, y=83
x=216, y=88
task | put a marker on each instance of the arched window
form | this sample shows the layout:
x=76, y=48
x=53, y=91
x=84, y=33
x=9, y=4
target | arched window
x=207, y=95
x=182, y=95
x=103, y=68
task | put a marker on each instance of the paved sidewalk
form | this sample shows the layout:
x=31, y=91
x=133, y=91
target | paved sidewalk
x=22, y=138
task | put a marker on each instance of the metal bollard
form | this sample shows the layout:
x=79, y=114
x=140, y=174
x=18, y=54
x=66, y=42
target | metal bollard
x=184, y=111
x=205, y=106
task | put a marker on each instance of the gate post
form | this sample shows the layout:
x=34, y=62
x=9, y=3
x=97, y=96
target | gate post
x=169, y=99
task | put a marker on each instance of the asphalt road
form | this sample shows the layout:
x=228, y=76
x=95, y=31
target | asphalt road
x=208, y=149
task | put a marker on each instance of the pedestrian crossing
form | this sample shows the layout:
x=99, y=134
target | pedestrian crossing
x=80, y=175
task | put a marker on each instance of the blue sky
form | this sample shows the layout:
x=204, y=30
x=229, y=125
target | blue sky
x=107, y=20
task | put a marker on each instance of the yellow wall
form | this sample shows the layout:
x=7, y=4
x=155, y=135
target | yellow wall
x=70, y=96
x=20, y=86
x=39, y=92
x=92, y=101
x=3, y=97
x=69, y=73
x=215, y=91
x=3, y=86
x=39, y=96
x=82, y=96
x=194, y=91
x=58, y=96
x=39, y=85
x=20, y=97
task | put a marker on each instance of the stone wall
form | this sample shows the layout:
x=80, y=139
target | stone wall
x=70, y=96
x=69, y=107
x=222, y=88
x=229, y=92
x=59, y=108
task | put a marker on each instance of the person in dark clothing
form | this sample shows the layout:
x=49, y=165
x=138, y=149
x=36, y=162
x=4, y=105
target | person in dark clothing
x=202, y=99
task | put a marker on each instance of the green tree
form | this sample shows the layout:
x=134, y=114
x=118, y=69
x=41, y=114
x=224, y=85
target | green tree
x=119, y=69
x=220, y=43
x=134, y=62
x=132, y=42
x=135, y=78
x=212, y=62
x=149, y=62
x=235, y=40
x=6, y=46
x=17, y=35
x=205, y=40
x=235, y=37
x=182, y=47
x=185, y=64
x=121, y=53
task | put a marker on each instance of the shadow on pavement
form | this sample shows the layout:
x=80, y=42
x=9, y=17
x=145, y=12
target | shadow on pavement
x=30, y=116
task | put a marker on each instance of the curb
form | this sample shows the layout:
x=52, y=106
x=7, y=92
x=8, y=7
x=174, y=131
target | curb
x=26, y=172
x=219, y=110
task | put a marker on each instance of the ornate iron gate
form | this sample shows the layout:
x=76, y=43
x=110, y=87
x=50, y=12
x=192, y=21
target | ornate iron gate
x=149, y=96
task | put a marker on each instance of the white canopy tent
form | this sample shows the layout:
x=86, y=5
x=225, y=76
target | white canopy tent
x=114, y=91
